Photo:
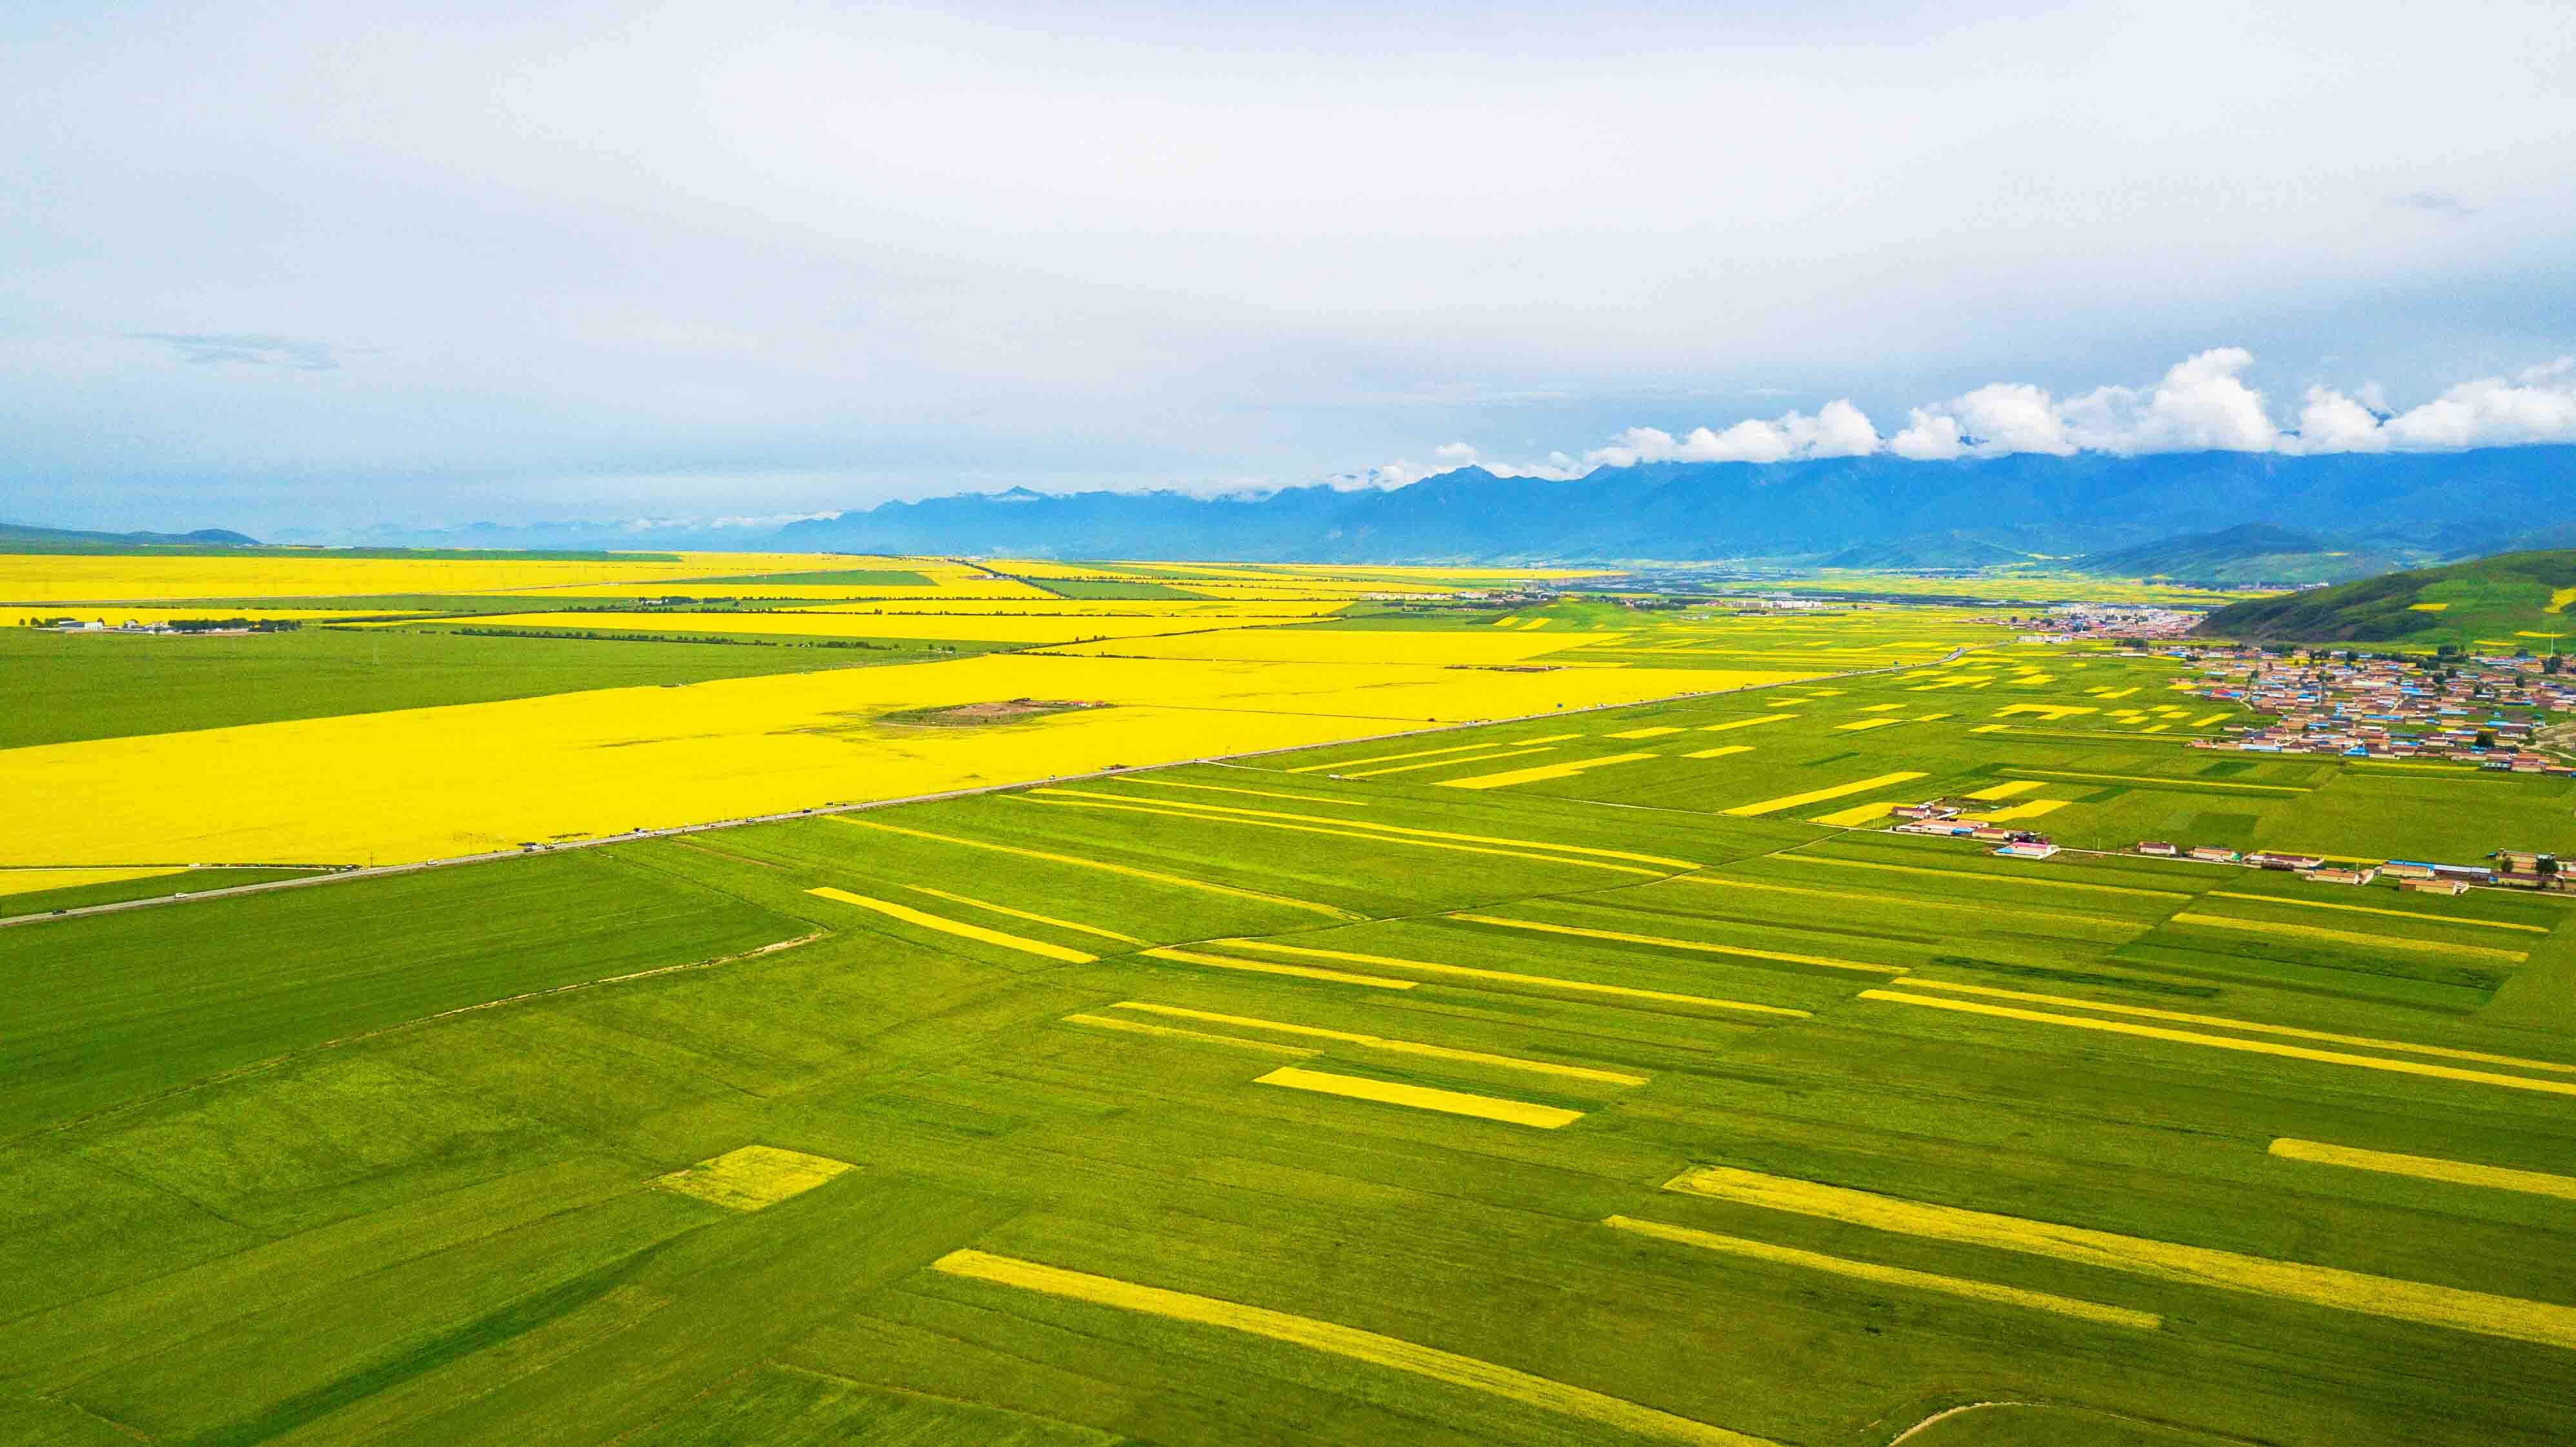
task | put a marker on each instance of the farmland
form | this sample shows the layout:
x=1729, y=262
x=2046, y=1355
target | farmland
x=1455, y=1022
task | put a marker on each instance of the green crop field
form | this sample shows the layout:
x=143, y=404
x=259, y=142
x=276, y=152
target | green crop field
x=114, y=685
x=1609, y=1077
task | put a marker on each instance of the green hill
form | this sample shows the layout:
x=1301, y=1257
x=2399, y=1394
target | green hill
x=2512, y=600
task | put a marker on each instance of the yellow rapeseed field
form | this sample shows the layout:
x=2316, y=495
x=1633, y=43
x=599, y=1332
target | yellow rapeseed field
x=439, y=782
x=961, y=627
x=55, y=578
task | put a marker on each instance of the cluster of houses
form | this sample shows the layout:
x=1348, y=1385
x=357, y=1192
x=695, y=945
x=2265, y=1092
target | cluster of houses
x=1957, y=819
x=2513, y=868
x=2482, y=711
x=2067, y=622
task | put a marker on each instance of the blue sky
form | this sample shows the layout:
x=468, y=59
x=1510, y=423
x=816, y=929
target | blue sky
x=322, y=266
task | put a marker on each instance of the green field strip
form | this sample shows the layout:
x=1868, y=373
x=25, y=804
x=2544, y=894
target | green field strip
x=1450, y=763
x=2225, y=1042
x=1745, y=723
x=2427, y=1168
x=1202, y=1037
x=1374, y=827
x=1399, y=1047
x=2158, y=781
x=1539, y=772
x=1161, y=783
x=959, y=928
x=2420, y=916
x=1422, y=1097
x=1129, y=870
x=1030, y=915
x=1549, y=982
x=1263, y=967
x=1425, y=753
x=1987, y=875
x=1910, y=902
x=2423, y=1303
x=1704, y=947
x=2255, y=1027
x=1881, y=1275
x=2353, y=938
x=1055, y=798
x=1818, y=796
x=1347, y=1342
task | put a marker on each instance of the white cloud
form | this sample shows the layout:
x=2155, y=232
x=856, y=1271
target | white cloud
x=2201, y=404
x=1838, y=429
x=2333, y=422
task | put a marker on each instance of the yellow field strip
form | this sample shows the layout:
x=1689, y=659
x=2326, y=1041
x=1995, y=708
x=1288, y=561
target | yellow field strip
x=2355, y=938
x=2160, y=782
x=1399, y=1047
x=1719, y=752
x=1128, y=870
x=1818, y=796
x=1534, y=774
x=753, y=1177
x=1248, y=793
x=29, y=881
x=2538, y=929
x=2428, y=1168
x=1074, y=799
x=1445, y=763
x=1469, y=972
x=1667, y=942
x=1427, y=753
x=1260, y=967
x=1374, y=827
x=2444, y=1052
x=1342, y=1341
x=1745, y=723
x=1862, y=725
x=1139, y=1027
x=1984, y=910
x=2205, y=720
x=2029, y=809
x=1854, y=818
x=2382, y=1296
x=1651, y=731
x=1890, y=1275
x=1031, y=916
x=1978, y=874
x=1422, y=1097
x=959, y=928
x=2006, y=791
x=2228, y=1042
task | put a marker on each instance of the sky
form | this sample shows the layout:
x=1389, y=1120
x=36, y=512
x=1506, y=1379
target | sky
x=313, y=268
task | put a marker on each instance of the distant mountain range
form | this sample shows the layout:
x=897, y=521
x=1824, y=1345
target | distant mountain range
x=1862, y=512
x=1981, y=511
x=73, y=540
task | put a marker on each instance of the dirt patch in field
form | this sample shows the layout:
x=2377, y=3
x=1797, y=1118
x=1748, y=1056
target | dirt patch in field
x=981, y=715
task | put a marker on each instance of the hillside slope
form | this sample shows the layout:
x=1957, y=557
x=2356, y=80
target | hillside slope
x=2512, y=600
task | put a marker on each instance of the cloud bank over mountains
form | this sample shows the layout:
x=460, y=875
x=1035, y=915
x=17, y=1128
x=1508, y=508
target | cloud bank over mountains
x=2201, y=404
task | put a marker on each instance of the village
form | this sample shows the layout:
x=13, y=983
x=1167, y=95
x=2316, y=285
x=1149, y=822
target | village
x=2486, y=711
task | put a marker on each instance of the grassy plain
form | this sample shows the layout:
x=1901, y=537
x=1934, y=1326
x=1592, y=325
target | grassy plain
x=1612, y=1111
